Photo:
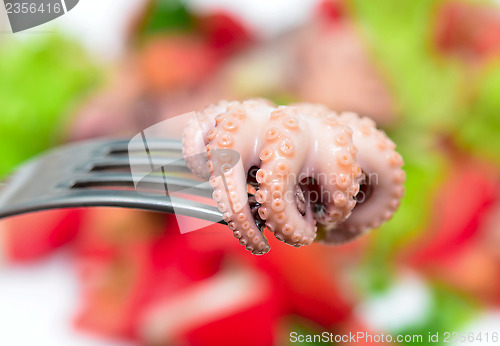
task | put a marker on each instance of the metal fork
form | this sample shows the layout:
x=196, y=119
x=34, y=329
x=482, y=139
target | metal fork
x=98, y=173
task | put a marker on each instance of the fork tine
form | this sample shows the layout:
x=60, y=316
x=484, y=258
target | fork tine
x=155, y=182
x=157, y=144
x=140, y=163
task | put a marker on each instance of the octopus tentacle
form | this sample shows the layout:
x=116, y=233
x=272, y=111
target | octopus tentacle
x=194, y=139
x=239, y=122
x=283, y=157
x=381, y=184
x=339, y=172
x=195, y=135
x=230, y=194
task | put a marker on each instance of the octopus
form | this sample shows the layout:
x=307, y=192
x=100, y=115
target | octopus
x=302, y=171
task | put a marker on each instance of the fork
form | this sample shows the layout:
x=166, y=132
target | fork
x=98, y=173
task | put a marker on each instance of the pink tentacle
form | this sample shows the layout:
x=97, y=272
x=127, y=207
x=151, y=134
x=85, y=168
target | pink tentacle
x=194, y=138
x=239, y=122
x=283, y=157
x=382, y=183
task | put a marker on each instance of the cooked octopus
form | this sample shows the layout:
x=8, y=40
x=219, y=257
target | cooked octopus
x=302, y=171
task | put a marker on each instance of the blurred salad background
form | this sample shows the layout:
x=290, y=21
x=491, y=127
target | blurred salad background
x=427, y=71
